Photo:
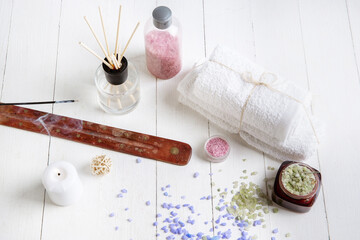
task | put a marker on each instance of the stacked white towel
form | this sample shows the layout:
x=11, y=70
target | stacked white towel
x=272, y=121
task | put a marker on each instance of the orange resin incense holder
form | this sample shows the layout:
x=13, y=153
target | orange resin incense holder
x=98, y=135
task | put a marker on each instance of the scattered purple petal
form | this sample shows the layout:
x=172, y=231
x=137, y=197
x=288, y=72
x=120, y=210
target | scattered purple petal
x=138, y=160
x=147, y=203
x=124, y=190
x=196, y=175
x=112, y=214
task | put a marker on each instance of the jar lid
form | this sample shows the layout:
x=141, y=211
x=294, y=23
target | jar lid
x=162, y=17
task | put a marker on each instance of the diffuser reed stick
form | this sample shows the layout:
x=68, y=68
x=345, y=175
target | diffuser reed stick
x=96, y=55
x=127, y=44
x=117, y=31
x=103, y=28
x=98, y=41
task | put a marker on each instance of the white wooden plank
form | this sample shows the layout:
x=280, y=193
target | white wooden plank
x=231, y=24
x=5, y=13
x=179, y=122
x=353, y=8
x=75, y=79
x=29, y=75
x=279, y=48
x=333, y=76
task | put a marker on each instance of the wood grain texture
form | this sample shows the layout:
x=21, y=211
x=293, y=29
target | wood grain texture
x=175, y=119
x=90, y=218
x=333, y=77
x=315, y=44
x=29, y=75
x=279, y=48
x=5, y=23
x=241, y=39
x=353, y=8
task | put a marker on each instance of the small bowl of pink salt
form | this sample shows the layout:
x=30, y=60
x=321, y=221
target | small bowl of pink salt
x=217, y=148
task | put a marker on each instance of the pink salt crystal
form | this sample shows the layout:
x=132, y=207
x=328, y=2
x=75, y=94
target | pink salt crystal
x=163, y=54
x=217, y=147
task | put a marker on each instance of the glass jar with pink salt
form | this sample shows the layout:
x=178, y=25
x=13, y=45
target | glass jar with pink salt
x=217, y=148
x=163, y=44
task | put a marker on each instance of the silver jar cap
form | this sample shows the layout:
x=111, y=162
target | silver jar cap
x=162, y=17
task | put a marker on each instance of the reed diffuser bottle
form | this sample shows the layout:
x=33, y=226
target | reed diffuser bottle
x=118, y=89
x=116, y=79
x=163, y=44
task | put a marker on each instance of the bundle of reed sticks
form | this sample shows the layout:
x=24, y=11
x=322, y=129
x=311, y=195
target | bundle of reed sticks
x=113, y=60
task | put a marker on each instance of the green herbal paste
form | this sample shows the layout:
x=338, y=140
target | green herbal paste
x=298, y=180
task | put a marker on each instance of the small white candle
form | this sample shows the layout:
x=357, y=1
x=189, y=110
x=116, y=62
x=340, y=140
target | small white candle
x=62, y=183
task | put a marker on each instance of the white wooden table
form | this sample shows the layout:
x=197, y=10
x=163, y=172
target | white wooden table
x=315, y=43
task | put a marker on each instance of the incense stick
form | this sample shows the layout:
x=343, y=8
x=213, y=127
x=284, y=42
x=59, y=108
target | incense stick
x=96, y=55
x=103, y=27
x=127, y=44
x=33, y=103
x=117, y=32
x=98, y=41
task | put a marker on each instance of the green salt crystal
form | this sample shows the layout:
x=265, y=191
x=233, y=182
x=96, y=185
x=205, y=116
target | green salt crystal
x=298, y=179
x=244, y=159
x=253, y=173
x=244, y=171
x=287, y=235
x=275, y=210
x=264, y=225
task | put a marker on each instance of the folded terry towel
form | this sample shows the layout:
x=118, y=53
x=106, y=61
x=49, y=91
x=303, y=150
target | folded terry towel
x=266, y=118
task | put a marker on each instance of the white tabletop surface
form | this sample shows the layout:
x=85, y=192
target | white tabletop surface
x=314, y=43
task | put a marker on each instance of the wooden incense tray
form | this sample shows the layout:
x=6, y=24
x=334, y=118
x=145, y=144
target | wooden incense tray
x=98, y=135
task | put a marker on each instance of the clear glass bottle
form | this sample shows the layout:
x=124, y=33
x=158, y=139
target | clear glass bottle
x=163, y=40
x=118, y=90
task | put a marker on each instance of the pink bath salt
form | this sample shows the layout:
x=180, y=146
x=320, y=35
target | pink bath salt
x=217, y=147
x=163, y=54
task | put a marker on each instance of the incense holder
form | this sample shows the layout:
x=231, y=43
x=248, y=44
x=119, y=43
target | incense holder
x=118, y=89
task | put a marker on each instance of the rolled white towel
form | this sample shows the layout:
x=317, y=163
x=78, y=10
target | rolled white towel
x=272, y=121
